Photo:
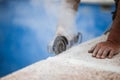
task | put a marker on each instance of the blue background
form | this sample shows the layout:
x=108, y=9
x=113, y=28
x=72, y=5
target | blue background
x=26, y=30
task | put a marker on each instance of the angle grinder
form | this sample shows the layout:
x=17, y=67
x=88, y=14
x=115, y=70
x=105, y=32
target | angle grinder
x=62, y=43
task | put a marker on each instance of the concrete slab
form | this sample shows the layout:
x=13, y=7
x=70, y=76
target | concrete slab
x=74, y=64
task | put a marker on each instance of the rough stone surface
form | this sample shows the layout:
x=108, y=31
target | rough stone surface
x=74, y=64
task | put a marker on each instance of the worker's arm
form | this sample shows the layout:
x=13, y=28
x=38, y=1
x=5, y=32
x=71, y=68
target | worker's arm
x=110, y=47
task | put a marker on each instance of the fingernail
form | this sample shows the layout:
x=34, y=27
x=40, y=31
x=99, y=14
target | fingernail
x=98, y=56
x=93, y=55
x=110, y=57
x=102, y=57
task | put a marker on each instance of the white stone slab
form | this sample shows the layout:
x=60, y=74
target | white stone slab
x=74, y=64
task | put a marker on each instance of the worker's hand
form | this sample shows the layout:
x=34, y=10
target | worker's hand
x=105, y=50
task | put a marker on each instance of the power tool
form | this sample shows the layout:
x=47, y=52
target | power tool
x=62, y=43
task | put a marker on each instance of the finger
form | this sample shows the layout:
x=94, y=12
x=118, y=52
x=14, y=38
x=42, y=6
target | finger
x=111, y=54
x=100, y=52
x=105, y=53
x=92, y=49
x=95, y=51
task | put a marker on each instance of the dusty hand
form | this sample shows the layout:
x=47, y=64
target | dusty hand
x=105, y=50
